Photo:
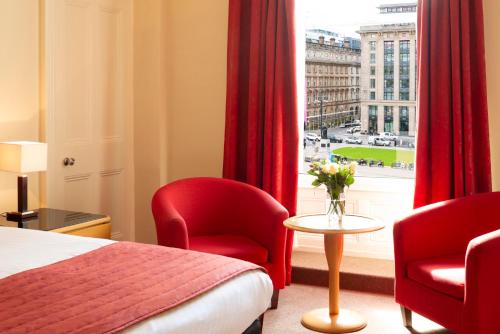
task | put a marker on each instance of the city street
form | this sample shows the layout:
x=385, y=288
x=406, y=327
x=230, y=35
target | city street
x=314, y=151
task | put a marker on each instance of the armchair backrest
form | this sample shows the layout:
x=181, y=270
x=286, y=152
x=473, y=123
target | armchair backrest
x=214, y=205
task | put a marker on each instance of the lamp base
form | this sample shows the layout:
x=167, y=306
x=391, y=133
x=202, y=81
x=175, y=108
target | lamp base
x=20, y=216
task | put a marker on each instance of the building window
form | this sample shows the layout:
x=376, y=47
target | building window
x=388, y=89
x=372, y=70
x=372, y=83
x=403, y=121
x=404, y=89
x=372, y=58
x=372, y=119
x=388, y=95
x=373, y=45
x=372, y=95
x=388, y=119
x=388, y=70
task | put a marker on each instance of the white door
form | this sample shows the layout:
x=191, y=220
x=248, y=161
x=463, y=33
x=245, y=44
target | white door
x=88, y=57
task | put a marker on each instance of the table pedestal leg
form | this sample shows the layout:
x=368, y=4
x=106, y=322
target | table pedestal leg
x=333, y=319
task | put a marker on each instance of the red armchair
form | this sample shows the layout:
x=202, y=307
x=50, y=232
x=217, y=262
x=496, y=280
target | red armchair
x=223, y=217
x=447, y=258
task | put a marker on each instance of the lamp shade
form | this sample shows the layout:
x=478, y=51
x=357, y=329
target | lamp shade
x=23, y=156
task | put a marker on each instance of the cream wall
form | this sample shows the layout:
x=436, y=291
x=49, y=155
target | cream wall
x=180, y=86
x=492, y=42
x=150, y=113
x=19, y=96
x=196, y=72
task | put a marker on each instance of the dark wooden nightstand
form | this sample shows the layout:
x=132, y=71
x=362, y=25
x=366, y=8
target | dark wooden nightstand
x=67, y=222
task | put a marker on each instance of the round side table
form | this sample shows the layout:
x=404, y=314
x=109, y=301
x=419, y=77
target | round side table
x=333, y=319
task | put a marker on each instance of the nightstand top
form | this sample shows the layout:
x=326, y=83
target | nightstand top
x=54, y=219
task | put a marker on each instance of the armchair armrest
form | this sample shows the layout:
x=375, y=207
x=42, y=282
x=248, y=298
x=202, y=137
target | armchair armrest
x=171, y=227
x=482, y=284
x=263, y=222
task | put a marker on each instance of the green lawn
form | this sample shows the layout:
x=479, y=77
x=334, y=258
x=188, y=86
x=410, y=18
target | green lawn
x=388, y=156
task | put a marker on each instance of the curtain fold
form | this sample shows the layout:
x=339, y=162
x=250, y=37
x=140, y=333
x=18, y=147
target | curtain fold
x=453, y=153
x=261, y=135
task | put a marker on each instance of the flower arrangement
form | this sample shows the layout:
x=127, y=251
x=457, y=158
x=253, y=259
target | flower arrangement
x=336, y=177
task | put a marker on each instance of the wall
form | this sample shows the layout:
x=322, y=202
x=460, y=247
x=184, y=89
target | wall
x=492, y=42
x=19, y=85
x=196, y=71
x=150, y=125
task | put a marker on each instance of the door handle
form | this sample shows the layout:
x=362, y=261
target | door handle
x=69, y=161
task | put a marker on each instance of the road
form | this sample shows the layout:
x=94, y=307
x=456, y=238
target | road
x=314, y=150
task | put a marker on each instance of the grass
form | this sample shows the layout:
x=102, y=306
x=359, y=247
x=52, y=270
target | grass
x=388, y=156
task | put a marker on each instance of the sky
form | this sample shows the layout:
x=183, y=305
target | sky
x=346, y=16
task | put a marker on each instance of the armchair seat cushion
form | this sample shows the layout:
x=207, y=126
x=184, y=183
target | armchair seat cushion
x=235, y=246
x=443, y=274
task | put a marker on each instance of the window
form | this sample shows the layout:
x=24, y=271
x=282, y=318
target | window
x=403, y=121
x=372, y=119
x=353, y=101
x=404, y=96
x=388, y=119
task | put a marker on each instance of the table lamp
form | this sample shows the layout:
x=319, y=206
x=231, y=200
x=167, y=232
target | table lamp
x=22, y=157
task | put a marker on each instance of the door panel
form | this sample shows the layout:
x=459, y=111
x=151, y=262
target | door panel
x=88, y=83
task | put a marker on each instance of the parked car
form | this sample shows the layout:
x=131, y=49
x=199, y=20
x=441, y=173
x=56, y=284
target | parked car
x=335, y=139
x=362, y=162
x=378, y=141
x=380, y=163
x=354, y=129
x=357, y=122
x=353, y=140
x=364, y=132
x=312, y=136
x=388, y=136
x=398, y=164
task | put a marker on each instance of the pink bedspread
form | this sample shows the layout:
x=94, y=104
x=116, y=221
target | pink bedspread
x=109, y=289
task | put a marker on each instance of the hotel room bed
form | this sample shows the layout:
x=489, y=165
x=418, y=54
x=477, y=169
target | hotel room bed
x=228, y=308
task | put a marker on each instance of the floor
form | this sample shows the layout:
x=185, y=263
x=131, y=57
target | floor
x=381, y=312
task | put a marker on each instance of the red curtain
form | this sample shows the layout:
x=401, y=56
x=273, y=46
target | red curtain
x=453, y=154
x=262, y=136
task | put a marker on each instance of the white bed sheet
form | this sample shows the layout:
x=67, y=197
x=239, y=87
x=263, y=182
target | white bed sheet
x=227, y=309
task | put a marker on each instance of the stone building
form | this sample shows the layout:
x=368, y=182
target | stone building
x=388, y=78
x=333, y=80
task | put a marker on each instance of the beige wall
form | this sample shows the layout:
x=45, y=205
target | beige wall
x=196, y=72
x=150, y=127
x=492, y=41
x=180, y=86
x=19, y=78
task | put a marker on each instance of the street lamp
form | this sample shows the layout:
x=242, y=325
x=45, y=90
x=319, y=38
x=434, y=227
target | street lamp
x=323, y=129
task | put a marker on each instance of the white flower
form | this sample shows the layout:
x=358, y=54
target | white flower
x=334, y=168
x=325, y=168
x=352, y=167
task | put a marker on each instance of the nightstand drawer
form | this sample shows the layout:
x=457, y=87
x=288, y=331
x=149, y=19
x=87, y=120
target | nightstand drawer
x=95, y=231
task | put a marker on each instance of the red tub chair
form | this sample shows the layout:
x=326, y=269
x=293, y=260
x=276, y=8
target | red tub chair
x=224, y=217
x=447, y=258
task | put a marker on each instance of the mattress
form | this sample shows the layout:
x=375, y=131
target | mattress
x=228, y=308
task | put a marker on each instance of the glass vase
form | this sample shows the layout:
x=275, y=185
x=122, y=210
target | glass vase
x=336, y=208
